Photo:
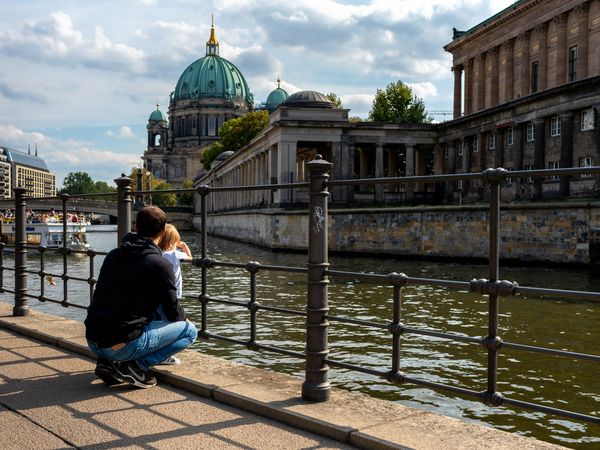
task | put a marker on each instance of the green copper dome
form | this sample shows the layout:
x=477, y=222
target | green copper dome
x=157, y=116
x=276, y=97
x=212, y=77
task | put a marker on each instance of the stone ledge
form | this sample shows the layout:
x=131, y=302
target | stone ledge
x=357, y=419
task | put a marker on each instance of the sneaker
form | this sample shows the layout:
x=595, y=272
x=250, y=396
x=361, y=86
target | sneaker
x=171, y=361
x=131, y=373
x=107, y=372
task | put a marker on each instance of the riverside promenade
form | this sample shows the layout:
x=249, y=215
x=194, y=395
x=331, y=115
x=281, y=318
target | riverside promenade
x=50, y=399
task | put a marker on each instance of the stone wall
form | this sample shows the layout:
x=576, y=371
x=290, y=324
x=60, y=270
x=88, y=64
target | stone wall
x=180, y=217
x=557, y=233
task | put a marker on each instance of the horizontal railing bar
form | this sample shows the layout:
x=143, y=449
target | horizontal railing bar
x=551, y=410
x=227, y=302
x=281, y=351
x=539, y=173
x=457, y=285
x=439, y=334
x=261, y=267
x=551, y=351
x=292, y=312
x=356, y=321
x=9, y=291
x=572, y=295
x=208, y=334
x=258, y=187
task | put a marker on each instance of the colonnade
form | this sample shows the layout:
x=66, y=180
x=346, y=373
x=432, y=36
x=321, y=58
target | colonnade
x=563, y=49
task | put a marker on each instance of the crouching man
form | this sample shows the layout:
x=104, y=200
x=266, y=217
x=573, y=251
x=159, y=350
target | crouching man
x=122, y=326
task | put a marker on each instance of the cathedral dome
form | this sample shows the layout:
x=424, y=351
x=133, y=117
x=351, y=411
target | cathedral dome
x=157, y=116
x=308, y=99
x=212, y=77
x=276, y=97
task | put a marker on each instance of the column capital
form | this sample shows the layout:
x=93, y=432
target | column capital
x=457, y=68
x=581, y=10
x=560, y=20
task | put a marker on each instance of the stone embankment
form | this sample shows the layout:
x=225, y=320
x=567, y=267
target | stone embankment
x=49, y=398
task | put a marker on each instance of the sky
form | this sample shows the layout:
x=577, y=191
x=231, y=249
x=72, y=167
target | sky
x=79, y=79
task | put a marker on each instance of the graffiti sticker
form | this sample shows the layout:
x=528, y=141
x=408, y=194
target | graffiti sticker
x=319, y=219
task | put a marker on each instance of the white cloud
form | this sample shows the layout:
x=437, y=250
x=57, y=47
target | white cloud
x=126, y=133
x=109, y=133
x=424, y=90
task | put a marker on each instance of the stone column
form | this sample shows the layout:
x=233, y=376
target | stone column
x=468, y=107
x=542, y=53
x=580, y=35
x=479, y=87
x=557, y=51
x=286, y=170
x=458, y=69
x=593, y=60
x=363, y=169
x=379, y=172
x=491, y=79
x=409, y=171
x=338, y=167
x=499, y=156
x=525, y=86
x=505, y=74
x=538, y=155
x=566, y=150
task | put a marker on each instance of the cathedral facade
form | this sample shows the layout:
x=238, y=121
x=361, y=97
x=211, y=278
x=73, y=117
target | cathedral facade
x=209, y=92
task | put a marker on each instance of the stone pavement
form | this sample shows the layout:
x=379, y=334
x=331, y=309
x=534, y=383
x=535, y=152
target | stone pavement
x=50, y=399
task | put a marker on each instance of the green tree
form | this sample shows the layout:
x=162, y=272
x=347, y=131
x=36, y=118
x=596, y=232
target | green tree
x=237, y=132
x=78, y=183
x=337, y=102
x=164, y=199
x=103, y=186
x=186, y=199
x=209, y=154
x=397, y=103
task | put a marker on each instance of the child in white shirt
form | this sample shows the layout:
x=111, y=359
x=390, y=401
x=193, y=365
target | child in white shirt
x=174, y=250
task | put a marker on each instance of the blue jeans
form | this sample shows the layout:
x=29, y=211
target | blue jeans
x=159, y=340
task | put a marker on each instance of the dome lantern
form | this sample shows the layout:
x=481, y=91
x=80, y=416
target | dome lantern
x=212, y=46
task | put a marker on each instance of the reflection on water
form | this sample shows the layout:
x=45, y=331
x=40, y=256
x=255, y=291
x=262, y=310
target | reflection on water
x=548, y=380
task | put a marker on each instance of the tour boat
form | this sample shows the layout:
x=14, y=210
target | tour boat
x=48, y=234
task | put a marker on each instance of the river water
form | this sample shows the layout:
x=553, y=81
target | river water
x=548, y=380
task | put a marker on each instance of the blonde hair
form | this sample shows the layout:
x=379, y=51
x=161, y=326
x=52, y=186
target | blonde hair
x=170, y=238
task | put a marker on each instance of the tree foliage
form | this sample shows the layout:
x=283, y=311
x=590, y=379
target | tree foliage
x=78, y=183
x=397, y=103
x=186, y=199
x=237, y=132
x=103, y=186
x=337, y=102
x=165, y=199
x=209, y=153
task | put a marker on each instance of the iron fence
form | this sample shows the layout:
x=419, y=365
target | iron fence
x=316, y=386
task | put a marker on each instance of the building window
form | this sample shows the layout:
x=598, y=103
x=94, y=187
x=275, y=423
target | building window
x=573, y=63
x=474, y=184
x=586, y=162
x=492, y=141
x=475, y=144
x=530, y=132
x=553, y=165
x=459, y=185
x=534, y=77
x=529, y=167
x=461, y=148
x=587, y=119
x=508, y=180
x=156, y=173
x=555, y=126
x=510, y=136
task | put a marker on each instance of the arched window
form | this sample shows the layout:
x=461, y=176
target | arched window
x=157, y=140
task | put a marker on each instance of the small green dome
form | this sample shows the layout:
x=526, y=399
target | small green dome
x=276, y=98
x=157, y=116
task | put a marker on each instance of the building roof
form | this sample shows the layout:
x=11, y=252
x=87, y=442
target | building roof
x=308, y=99
x=212, y=77
x=157, y=116
x=24, y=159
x=276, y=97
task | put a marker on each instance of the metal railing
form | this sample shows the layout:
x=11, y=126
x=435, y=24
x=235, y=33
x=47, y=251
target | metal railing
x=316, y=386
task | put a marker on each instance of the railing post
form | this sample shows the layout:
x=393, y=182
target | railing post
x=21, y=307
x=316, y=386
x=203, y=191
x=123, y=207
x=494, y=177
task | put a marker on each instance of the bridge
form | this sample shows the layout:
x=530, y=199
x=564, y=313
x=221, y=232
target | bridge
x=85, y=205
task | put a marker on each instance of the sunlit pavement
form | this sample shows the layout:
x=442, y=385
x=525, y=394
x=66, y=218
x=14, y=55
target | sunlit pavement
x=50, y=399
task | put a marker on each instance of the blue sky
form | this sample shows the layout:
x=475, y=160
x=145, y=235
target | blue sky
x=80, y=78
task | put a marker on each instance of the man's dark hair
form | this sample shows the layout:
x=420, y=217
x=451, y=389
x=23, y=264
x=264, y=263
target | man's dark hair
x=150, y=221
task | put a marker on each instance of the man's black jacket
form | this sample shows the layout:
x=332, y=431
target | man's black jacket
x=134, y=280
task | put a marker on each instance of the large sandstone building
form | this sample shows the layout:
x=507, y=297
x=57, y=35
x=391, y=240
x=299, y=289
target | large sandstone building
x=526, y=96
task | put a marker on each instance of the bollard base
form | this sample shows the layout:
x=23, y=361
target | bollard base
x=316, y=392
x=19, y=311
